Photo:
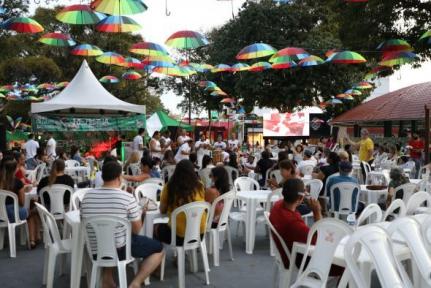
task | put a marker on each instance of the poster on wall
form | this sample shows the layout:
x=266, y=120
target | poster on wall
x=286, y=124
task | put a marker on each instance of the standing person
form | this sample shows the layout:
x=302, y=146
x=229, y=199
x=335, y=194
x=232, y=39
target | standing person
x=366, y=149
x=417, y=146
x=31, y=147
x=201, y=147
x=219, y=144
x=110, y=200
x=184, y=150
x=166, y=138
x=138, y=142
x=155, y=148
x=119, y=147
x=182, y=137
x=233, y=142
x=51, y=147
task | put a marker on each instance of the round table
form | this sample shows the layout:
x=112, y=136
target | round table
x=373, y=195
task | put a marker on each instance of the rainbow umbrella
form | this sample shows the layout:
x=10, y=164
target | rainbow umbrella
x=238, y=67
x=348, y=98
x=109, y=79
x=256, y=50
x=363, y=85
x=57, y=39
x=131, y=62
x=148, y=49
x=221, y=68
x=175, y=71
x=283, y=62
x=217, y=93
x=86, y=50
x=207, y=84
x=227, y=100
x=294, y=52
x=151, y=60
x=393, y=45
x=79, y=15
x=119, y=7
x=148, y=69
x=342, y=95
x=46, y=86
x=111, y=58
x=334, y=102
x=426, y=37
x=6, y=88
x=260, y=66
x=376, y=71
x=212, y=89
x=118, y=24
x=22, y=25
x=131, y=75
x=186, y=39
x=353, y=92
x=311, y=61
x=398, y=58
x=61, y=85
x=202, y=68
x=346, y=57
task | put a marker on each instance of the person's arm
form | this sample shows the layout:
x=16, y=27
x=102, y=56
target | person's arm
x=315, y=207
x=211, y=194
x=391, y=191
x=134, y=216
x=183, y=152
x=370, y=150
x=318, y=175
x=136, y=226
x=138, y=178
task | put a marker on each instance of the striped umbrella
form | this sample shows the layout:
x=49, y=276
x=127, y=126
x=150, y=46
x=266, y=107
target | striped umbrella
x=186, y=40
x=61, y=85
x=353, y=92
x=238, y=67
x=148, y=49
x=46, y=86
x=311, y=61
x=283, y=62
x=118, y=24
x=131, y=62
x=207, y=84
x=260, y=66
x=217, y=93
x=86, y=50
x=111, y=58
x=22, y=25
x=57, y=39
x=119, y=7
x=109, y=79
x=131, y=75
x=334, y=102
x=221, y=68
x=294, y=52
x=79, y=15
x=393, y=45
x=346, y=57
x=363, y=85
x=201, y=67
x=175, y=71
x=398, y=58
x=150, y=60
x=212, y=89
x=228, y=101
x=256, y=50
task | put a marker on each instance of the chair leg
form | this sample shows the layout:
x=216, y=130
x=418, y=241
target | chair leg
x=216, y=251
x=45, y=265
x=12, y=240
x=205, y=261
x=2, y=230
x=27, y=233
x=94, y=276
x=162, y=268
x=229, y=242
x=181, y=269
x=122, y=275
x=52, y=257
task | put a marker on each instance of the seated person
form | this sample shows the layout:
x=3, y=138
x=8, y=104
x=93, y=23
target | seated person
x=40, y=158
x=263, y=165
x=405, y=162
x=20, y=170
x=220, y=185
x=146, y=171
x=308, y=160
x=325, y=171
x=397, y=179
x=98, y=182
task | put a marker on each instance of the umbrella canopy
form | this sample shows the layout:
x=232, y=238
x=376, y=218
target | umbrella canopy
x=426, y=37
x=46, y=86
x=22, y=25
x=61, y=84
x=186, y=39
x=283, y=62
x=240, y=67
x=174, y=71
x=363, y=85
x=212, y=89
x=79, y=15
x=111, y=58
x=119, y=7
x=218, y=93
x=346, y=57
x=294, y=52
x=221, y=68
x=201, y=67
x=109, y=79
x=398, y=58
x=256, y=50
x=353, y=92
x=57, y=39
x=260, y=66
x=227, y=100
x=334, y=101
x=150, y=60
x=148, y=49
x=118, y=24
x=311, y=61
x=131, y=75
x=131, y=62
x=207, y=84
x=86, y=50
x=393, y=45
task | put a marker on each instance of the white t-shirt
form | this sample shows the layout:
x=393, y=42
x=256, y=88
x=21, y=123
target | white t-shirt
x=310, y=162
x=157, y=147
x=51, y=146
x=181, y=139
x=233, y=144
x=220, y=145
x=167, y=142
x=183, y=148
x=31, y=147
x=202, y=151
x=137, y=141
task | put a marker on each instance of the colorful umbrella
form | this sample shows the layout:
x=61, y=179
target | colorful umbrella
x=212, y=89
x=131, y=62
x=131, y=75
x=79, y=15
x=86, y=50
x=221, y=68
x=173, y=71
x=311, y=61
x=256, y=50
x=238, y=67
x=57, y=39
x=151, y=60
x=111, y=58
x=119, y=7
x=393, y=45
x=375, y=72
x=186, y=40
x=201, y=67
x=148, y=69
x=260, y=66
x=342, y=95
x=426, y=37
x=227, y=100
x=334, y=101
x=348, y=98
x=2, y=96
x=283, y=62
x=7, y=88
x=216, y=93
x=109, y=79
x=148, y=49
x=207, y=84
x=398, y=58
x=353, y=92
x=61, y=85
x=346, y=57
x=118, y=24
x=22, y=25
x=294, y=52
x=363, y=85
x=46, y=86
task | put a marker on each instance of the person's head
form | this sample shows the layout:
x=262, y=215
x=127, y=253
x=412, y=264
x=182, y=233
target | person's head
x=31, y=136
x=343, y=155
x=7, y=173
x=183, y=184
x=347, y=147
x=57, y=169
x=49, y=134
x=293, y=191
x=307, y=154
x=168, y=156
x=182, y=132
x=404, y=159
x=333, y=158
x=381, y=149
x=141, y=131
x=193, y=157
x=287, y=169
x=206, y=160
x=397, y=174
x=220, y=179
x=111, y=174
x=73, y=150
x=364, y=133
x=146, y=164
x=323, y=139
x=345, y=168
x=415, y=136
x=134, y=157
x=299, y=148
x=19, y=158
x=282, y=155
x=219, y=138
x=233, y=136
x=392, y=150
x=203, y=136
x=265, y=155
x=156, y=135
x=41, y=155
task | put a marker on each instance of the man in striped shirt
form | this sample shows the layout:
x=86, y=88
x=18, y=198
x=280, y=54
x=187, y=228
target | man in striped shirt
x=110, y=200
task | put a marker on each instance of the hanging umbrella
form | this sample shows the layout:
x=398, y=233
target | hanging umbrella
x=353, y=92
x=57, y=39
x=201, y=67
x=46, y=86
x=207, y=84
x=256, y=50
x=334, y=101
x=131, y=75
x=86, y=50
x=212, y=89
x=376, y=71
x=216, y=93
x=283, y=62
x=151, y=60
x=221, y=68
x=311, y=61
x=346, y=57
x=119, y=7
x=186, y=39
x=7, y=88
x=294, y=52
x=426, y=37
x=109, y=79
x=342, y=95
x=238, y=67
x=398, y=58
x=260, y=66
x=148, y=69
x=363, y=85
x=131, y=62
x=345, y=97
x=22, y=25
x=227, y=100
x=61, y=85
x=118, y=24
x=79, y=15
x=170, y=70
x=111, y=58
x=148, y=49
x=393, y=45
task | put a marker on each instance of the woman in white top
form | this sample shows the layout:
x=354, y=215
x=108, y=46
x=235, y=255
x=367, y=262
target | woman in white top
x=184, y=151
x=155, y=148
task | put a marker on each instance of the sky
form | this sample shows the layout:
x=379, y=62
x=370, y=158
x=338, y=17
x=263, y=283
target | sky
x=198, y=15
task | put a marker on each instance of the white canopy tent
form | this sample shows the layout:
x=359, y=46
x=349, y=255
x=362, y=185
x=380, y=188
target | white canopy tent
x=84, y=95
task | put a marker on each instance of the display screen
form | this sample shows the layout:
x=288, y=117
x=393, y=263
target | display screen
x=286, y=125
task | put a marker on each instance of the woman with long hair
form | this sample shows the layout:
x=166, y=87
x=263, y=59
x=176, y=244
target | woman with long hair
x=168, y=159
x=182, y=188
x=220, y=185
x=397, y=179
x=20, y=169
x=207, y=162
x=134, y=158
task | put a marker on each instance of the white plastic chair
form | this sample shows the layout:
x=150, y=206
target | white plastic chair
x=418, y=202
x=367, y=168
x=5, y=223
x=194, y=212
x=54, y=245
x=282, y=275
x=273, y=197
x=397, y=204
x=147, y=190
x=135, y=169
x=371, y=214
x=56, y=195
x=307, y=171
x=346, y=192
x=246, y=184
x=232, y=173
x=76, y=198
x=275, y=174
x=329, y=234
x=222, y=226
x=376, y=242
x=316, y=186
x=167, y=172
x=408, y=190
x=102, y=244
x=204, y=175
x=156, y=181
x=71, y=163
x=39, y=172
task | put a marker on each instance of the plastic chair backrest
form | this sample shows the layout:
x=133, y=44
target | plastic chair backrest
x=56, y=197
x=315, y=185
x=100, y=232
x=377, y=178
x=76, y=198
x=135, y=169
x=3, y=211
x=275, y=174
x=417, y=200
x=227, y=199
x=40, y=171
x=355, y=158
x=71, y=163
x=232, y=173
x=194, y=213
x=156, y=181
x=167, y=172
x=422, y=172
x=204, y=175
x=246, y=184
x=371, y=214
x=147, y=190
x=330, y=232
x=270, y=199
x=426, y=232
x=410, y=231
x=397, y=204
x=376, y=242
x=280, y=241
x=408, y=190
x=50, y=228
x=307, y=170
x=367, y=167
x=348, y=196
x=327, y=192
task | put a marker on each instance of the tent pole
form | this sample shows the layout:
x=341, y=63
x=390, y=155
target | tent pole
x=427, y=134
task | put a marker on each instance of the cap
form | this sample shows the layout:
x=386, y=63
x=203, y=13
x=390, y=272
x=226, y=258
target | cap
x=345, y=166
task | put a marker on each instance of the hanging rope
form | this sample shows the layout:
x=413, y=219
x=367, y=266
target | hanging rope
x=167, y=12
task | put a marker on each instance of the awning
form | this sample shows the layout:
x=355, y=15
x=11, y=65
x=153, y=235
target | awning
x=160, y=121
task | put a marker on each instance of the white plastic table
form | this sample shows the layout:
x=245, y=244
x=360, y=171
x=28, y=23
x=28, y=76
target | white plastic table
x=252, y=199
x=73, y=218
x=373, y=195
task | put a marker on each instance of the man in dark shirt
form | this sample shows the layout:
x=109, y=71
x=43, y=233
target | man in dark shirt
x=263, y=165
x=326, y=171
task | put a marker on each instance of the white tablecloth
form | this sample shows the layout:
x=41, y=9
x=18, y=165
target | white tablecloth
x=372, y=196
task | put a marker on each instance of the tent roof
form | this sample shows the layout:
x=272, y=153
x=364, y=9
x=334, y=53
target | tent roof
x=160, y=120
x=405, y=104
x=85, y=94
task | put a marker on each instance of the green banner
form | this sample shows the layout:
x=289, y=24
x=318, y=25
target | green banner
x=84, y=124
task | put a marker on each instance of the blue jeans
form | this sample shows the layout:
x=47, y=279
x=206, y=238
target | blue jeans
x=22, y=211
